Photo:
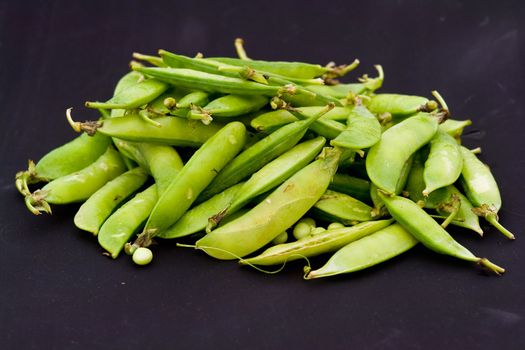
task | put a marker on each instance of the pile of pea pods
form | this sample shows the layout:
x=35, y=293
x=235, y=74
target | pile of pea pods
x=267, y=162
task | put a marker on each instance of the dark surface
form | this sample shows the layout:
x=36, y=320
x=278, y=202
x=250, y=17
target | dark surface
x=58, y=291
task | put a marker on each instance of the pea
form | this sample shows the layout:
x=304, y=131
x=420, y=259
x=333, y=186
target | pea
x=142, y=256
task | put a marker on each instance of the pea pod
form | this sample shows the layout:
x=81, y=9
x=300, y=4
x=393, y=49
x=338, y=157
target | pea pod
x=400, y=105
x=325, y=242
x=362, y=130
x=454, y=127
x=283, y=207
x=429, y=232
x=126, y=220
x=262, y=152
x=196, y=174
x=103, y=202
x=444, y=163
x=387, y=158
x=352, y=186
x=64, y=160
x=78, y=186
x=340, y=207
x=229, y=106
x=482, y=190
x=366, y=252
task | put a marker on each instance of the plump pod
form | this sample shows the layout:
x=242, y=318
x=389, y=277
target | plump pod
x=284, y=206
x=426, y=230
x=387, y=158
x=328, y=241
x=398, y=105
x=454, y=127
x=230, y=106
x=342, y=207
x=103, y=202
x=362, y=130
x=481, y=189
x=366, y=252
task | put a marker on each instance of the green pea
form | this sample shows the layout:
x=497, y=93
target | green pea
x=282, y=238
x=142, y=256
x=307, y=220
x=317, y=231
x=366, y=252
x=335, y=225
x=302, y=230
x=342, y=207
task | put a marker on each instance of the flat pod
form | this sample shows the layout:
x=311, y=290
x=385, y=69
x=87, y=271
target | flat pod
x=276, y=213
x=343, y=208
x=371, y=250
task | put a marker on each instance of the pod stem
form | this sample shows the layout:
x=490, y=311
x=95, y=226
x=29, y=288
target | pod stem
x=146, y=116
x=498, y=270
x=239, y=47
x=36, y=202
x=493, y=220
x=373, y=84
x=145, y=238
x=199, y=113
x=215, y=220
x=24, y=178
x=89, y=127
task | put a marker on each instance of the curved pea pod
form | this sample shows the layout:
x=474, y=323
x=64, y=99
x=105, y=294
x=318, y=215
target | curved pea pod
x=341, y=207
x=362, y=130
x=444, y=163
x=454, y=127
x=482, y=190
x=283, y=207
x=133, y=96
x=196, y=219
x=400, y=105
x=173, y=131
x=387, y=158
x=126, y=220
x=371, y=250
x=78, y=186
x=103, y=202
x=352, y=186
x=426, y=230
x=262, y=152
x=196, y=174
x=64, y=160
x=324, y=242
x=271, y=176
x=229, y=106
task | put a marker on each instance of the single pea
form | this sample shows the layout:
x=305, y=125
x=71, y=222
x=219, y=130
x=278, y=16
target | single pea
x=142, y=256
x=309, y=221
x=317, y=230
x=335, y=225
x=282, y=238
x=302, y=230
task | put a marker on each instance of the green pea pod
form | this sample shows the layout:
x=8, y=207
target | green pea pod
x=482, y=190
x=280, y=210
x=426, y=230
x=444, y=163
x=338, y=91
x=271, y=176
x=371, y=250
x=387, y=158
x=229, y=106
x=133, y=96
x=340, y=207
x=103, y=202
x=324, y=242
x=362, y=130
x=196, y=219
x=352, y=186
x=64, y=160
x=270, y=121
x=166, y=103
x=262, y=152
x=196, y=98
x=126, y=220
x=399, y=105
x=78, y=186
x=196, y=174
x=454, y=127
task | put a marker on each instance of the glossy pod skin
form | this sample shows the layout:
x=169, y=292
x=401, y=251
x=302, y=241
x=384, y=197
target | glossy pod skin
x=386, y=159
x=196, y=174
x=64, y=160
x=396, y=104
x=426, y=230
x=78, y=186
x=280, y=210
x=325, y=242
x=481, y=189
x=126, y=220
x=362, y=130
x=340, y=207
x=352, y=186
x=366, y=252
x=444, y=163
x=103, y=202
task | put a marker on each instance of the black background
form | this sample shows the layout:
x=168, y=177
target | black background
x=58, y=291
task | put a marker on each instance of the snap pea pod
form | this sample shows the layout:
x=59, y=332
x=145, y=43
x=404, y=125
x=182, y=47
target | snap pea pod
x=482, y=190
x=262, y=152
x=325, y=242
x=196, y=98
x=270, y=176
x=283, y=207
x=371, y=250
x=444, y=163
x=153, y=60
x=340, y=207
x=352, y=186
x=386, y=159
x=400, y=105
x=126, y=220
x=64, y=160
x=166, y=103
x=103, y=202
x=133, y=96
x=454, y=127
x=362, y=130
x=173, y=131
x=229, y=106
x=78, y=186
x=426, y=230
x=339, y=91
x=196, y=174
x=196, y=219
